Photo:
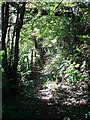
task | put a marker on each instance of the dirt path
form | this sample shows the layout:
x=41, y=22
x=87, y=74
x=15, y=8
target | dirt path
x=45, y=105
x=60, y=101
x=51, y=109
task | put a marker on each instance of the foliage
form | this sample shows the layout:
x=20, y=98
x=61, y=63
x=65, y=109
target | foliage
x=63, y=38
x=49, y=47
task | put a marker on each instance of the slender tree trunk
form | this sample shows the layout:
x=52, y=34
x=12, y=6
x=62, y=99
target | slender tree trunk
x=32, y=61
x=18, y=28
x=28, y=66
x=5, y=18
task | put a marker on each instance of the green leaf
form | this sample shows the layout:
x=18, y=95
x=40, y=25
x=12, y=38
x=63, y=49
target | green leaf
x=77, y=65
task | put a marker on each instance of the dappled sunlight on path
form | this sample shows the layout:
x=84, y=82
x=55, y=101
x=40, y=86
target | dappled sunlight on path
x=59, y=92
x=64, y=95
x=57, y=98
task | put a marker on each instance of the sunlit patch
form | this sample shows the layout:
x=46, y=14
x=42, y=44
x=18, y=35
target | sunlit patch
x=48, y=92
x=51, y=85
x=58, y=92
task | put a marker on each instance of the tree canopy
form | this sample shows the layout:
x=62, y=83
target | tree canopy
x=46, y=58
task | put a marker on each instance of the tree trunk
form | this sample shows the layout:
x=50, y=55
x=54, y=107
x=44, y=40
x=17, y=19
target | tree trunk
x=32, y=61
x=5, y=18
x=10, y=70
x=18, y=28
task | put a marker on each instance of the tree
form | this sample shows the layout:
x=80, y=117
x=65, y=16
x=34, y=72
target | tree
x=10, y=45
